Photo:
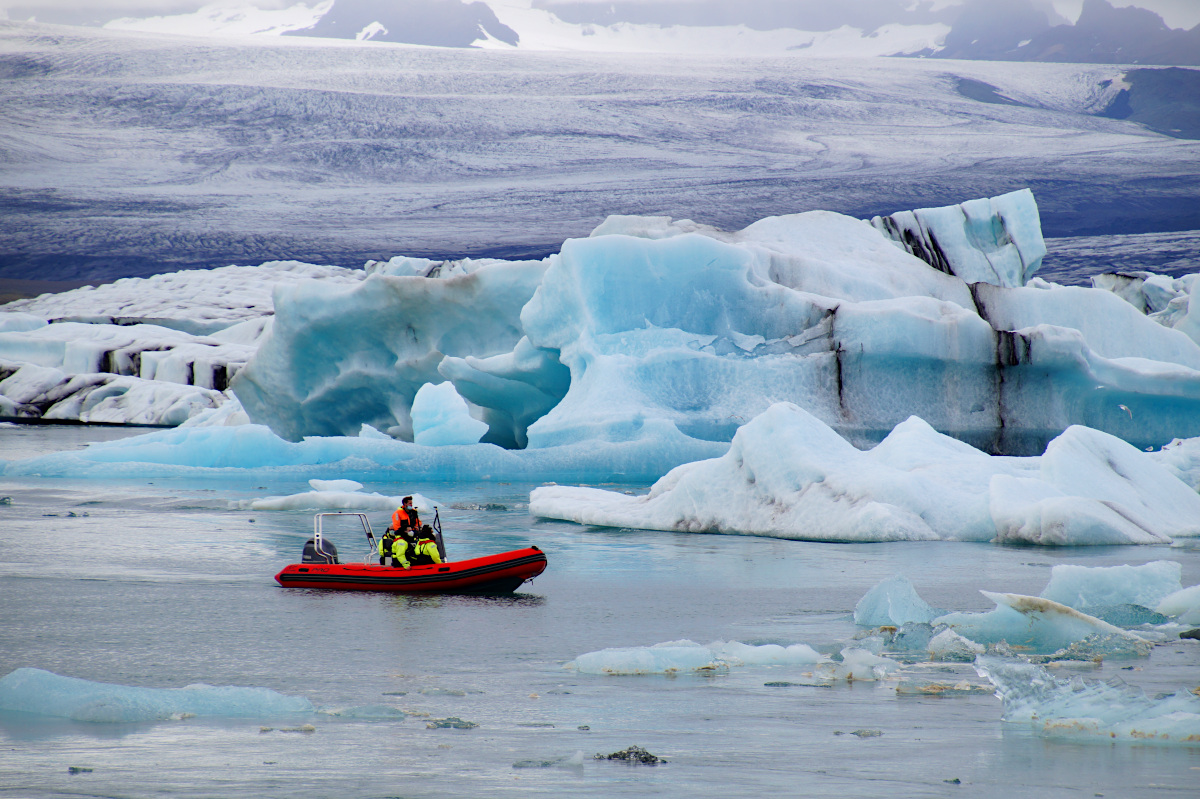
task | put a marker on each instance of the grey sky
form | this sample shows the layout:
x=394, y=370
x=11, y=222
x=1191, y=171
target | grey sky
x=1177, y=13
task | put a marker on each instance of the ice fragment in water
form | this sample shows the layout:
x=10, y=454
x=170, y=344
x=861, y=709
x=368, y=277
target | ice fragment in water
x=893, y=602
x=1030, y=623
x=674, y=657
x=1183, y=605
x=1099, y=646
x=32, y=690
x=1076, y=708
x=950, y=646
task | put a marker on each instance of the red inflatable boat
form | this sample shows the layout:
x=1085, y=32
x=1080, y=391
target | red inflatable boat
x=491, y=574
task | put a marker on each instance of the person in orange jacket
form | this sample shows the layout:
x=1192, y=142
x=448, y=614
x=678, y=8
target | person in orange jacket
x=405, y=517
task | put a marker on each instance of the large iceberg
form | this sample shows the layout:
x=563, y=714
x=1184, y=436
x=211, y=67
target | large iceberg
x=787, y=474
x=651, y=326
x=647, y=345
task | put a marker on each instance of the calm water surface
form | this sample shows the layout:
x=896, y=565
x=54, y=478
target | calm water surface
x=161, y=584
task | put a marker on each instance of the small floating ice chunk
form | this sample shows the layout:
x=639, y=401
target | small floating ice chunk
x=950, y=646
x=366, y=712
x=859, y=664
x=1075, y=708
x=649, y=660
x=1183, y=605
x=32, y=690
x=1029, y=623
x=893, y=602
x=912, y=638
x=674, y=657
x=735, y=653
x=1101, y=646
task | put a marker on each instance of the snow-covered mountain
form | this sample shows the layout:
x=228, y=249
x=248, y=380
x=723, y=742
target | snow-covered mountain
x=441, y=23
x=1014, y=30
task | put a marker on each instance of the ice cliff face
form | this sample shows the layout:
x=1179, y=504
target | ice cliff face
x=654, y=328
x=338, y=359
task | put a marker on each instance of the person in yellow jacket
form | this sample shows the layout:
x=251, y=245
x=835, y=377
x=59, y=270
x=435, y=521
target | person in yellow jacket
x=386, y=544
x=415, y=550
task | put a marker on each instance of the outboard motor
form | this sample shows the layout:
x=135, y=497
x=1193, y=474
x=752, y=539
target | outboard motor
x=324, y=552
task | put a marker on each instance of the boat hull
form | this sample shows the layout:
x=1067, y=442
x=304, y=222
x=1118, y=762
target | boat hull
x=492, y=574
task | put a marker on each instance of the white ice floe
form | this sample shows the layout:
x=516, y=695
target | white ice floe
x=854, y=663
x=44, y=693
x=336, y=495
x=142, y=338
x=1165, y=299
x=788, y=475
x=44, y=392
x=674, y=657
x=1079, y=709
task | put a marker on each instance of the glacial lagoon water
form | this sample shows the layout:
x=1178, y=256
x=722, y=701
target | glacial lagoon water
x=160, y=584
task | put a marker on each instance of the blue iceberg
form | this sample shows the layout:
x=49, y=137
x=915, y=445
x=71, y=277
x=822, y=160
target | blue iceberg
x=44, y=693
